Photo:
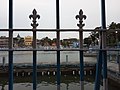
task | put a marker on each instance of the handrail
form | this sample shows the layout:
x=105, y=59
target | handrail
x=64, y=30
x=69, y=49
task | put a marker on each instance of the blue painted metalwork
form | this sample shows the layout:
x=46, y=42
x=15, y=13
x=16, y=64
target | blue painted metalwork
x=10, y=70
x=34, y=25
x=81, y=66
x=105, y=83
x=34, y=70
x=10, y=45
x=34, y=62
x=58, y=68
x=104, y=64
x=98, y=71
x=102, y=59
x=80, y=25
x=104, y=27
x=58, y=42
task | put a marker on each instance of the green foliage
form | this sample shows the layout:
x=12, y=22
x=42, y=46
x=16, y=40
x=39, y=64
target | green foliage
x=87, y=41
x=113, y=37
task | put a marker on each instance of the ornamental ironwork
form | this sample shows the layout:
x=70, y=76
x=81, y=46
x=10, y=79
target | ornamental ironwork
x=80, y=17
x=34, y=15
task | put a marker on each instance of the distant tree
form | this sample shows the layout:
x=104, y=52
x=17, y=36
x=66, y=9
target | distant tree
x=54, y=40
x=65, y=43
x=87, y=41
x=46, y=41
x=113, y=37
x=94, y=37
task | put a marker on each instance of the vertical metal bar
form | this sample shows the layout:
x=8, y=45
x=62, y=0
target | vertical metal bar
x=99, y=65
x=105, y=82
x=34, y=61
x=81, y=25
x=81, y=61
x=34, y=25
x=10, y=45
x=102, y=59
x=98, y=71
x=10, y=14
x=58, y=43
x=103, y=14
x=57, y=15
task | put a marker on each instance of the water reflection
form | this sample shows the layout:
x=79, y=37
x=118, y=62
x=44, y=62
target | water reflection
x=46, y=83
x=58, y=87
x=3, y=84
x=49, y=83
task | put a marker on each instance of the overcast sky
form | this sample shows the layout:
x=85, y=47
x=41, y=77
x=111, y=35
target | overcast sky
x=68, y=10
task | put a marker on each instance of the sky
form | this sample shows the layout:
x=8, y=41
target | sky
x=47, y=11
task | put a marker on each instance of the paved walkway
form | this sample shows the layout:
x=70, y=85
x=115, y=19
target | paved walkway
x=113, y=66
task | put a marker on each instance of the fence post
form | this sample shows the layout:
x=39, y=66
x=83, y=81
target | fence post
x=10, y=45
x=66, y=59
x=34, y=25
x=80, y=25
x=58, y=44
x=104, y=61
x=4, y=61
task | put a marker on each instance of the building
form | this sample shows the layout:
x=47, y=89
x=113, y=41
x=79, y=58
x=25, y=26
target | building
x=75, y=45
x=28, y=40
x=4, y=42
x=69, y=42
x=18, y=41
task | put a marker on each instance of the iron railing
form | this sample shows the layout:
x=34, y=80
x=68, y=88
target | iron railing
x=58, y=49
x=102, y=59
x=34, y=49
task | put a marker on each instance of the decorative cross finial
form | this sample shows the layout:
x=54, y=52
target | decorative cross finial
x=34, y=16
x=80, y=17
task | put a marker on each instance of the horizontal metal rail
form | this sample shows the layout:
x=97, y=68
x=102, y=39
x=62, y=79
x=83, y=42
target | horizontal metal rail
x=59, y=49
x=63, y=30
